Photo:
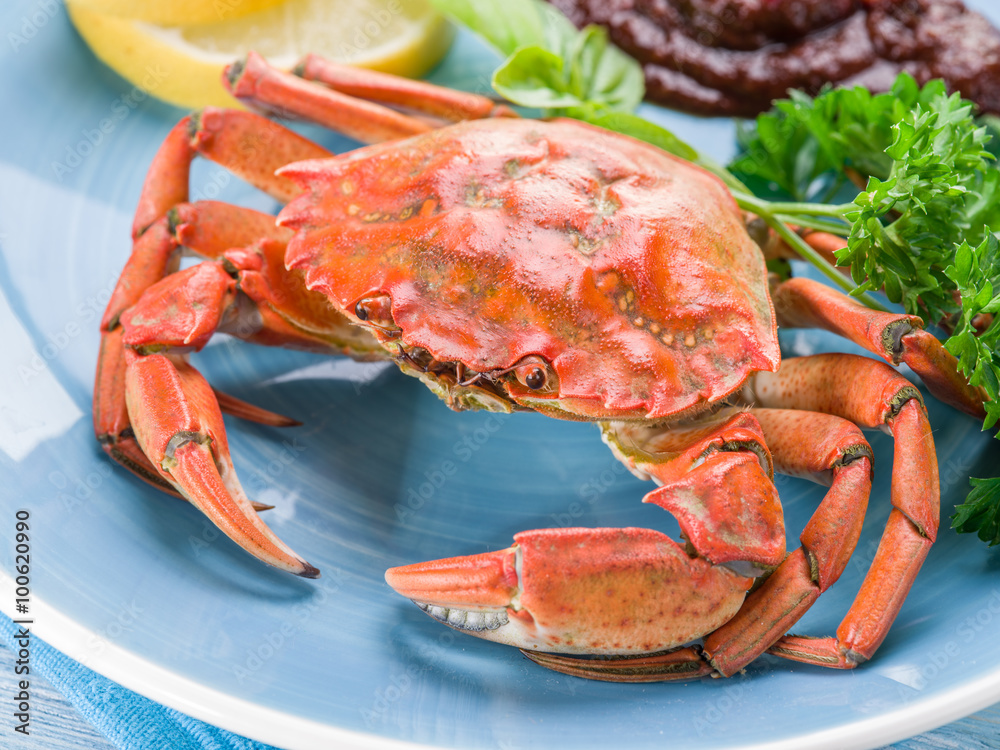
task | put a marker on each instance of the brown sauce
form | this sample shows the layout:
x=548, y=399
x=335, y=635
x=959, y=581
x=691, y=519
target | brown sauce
x=733, y=57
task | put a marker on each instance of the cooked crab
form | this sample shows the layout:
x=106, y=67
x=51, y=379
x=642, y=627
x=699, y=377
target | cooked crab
x=548, y=266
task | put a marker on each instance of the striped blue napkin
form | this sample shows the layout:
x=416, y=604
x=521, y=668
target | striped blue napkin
x=127, y=719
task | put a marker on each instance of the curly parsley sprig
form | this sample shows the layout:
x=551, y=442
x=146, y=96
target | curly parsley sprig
x=921, y=227
x=980, y=513
x=976, y=272
x=927, y=181
x=907, y=226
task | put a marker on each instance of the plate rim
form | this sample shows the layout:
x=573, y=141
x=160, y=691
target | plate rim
x=290, y=732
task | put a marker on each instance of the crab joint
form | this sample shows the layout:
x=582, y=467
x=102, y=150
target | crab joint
x=178, y=440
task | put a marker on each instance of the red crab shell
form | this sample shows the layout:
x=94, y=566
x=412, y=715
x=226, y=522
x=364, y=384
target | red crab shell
x=628, y=270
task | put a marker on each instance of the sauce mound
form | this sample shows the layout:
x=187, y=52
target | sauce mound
x=733, y=57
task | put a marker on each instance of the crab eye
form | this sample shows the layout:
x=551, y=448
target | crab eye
x=534, y=373
x=375, y=310
x=535, y=378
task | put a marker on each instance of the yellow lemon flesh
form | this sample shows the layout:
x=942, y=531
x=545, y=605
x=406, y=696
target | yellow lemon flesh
x=183, y=64
x=176, y=12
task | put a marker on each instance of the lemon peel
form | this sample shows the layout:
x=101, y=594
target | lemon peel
x=177, y=12
x=183, y=64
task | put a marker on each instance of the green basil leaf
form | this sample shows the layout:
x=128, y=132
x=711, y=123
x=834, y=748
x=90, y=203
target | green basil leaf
x=533, y=77
x=644, y=130
x=559, y=33
x=505, y=24
x=550, y=64
x=602, y=74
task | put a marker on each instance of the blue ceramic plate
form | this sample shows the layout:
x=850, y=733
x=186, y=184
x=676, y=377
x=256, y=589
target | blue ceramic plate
x=137, y=585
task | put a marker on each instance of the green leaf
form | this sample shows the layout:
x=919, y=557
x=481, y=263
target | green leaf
x=984, y=296
x=550, y=64
x=603, y=74
x=644, y=130
x=533, y=77
x=505, y=24
x=980, y=513
x=962, y=269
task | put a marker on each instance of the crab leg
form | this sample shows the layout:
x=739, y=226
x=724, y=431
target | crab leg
x=600, y=591
x=174, y=413
x=252, y=147
x=230, y=138
x=337, y=97
x=153, y=252
x=179, y=427
x=448, y=104
x=111, y=422
x=873, y=395
x=166, y=183
x=715, y=479
x=821, y=447
x=803, y=303
x=829, y=450
x=244, y=291
x=255, y=83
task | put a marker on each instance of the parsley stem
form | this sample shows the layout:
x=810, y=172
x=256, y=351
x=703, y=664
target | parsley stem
x=802, y=248
x=732, y=182
x=765, y=210
x=818, y=223
x=811, y=209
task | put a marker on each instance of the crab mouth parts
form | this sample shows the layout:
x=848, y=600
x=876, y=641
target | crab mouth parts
x=468, y=620
x=454, y=374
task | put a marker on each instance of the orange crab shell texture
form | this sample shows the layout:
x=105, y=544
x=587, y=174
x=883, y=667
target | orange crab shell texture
x=627, y=269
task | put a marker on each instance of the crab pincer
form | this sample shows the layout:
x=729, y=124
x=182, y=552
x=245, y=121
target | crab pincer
x=582, y=591
x=629, y=593
x=190, y=451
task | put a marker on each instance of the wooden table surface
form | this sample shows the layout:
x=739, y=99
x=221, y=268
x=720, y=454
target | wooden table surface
x=56, y=725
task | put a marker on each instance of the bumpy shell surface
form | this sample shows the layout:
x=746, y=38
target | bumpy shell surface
x=626, y=269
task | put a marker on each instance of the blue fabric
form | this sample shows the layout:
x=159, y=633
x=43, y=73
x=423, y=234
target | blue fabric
x=127, y=719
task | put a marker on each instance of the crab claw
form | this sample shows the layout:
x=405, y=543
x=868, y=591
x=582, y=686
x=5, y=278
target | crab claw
x=578, y=591
x=178, y=425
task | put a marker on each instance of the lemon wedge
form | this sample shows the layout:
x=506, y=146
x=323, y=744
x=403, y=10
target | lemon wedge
x=183, y=64
x=177, y=12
